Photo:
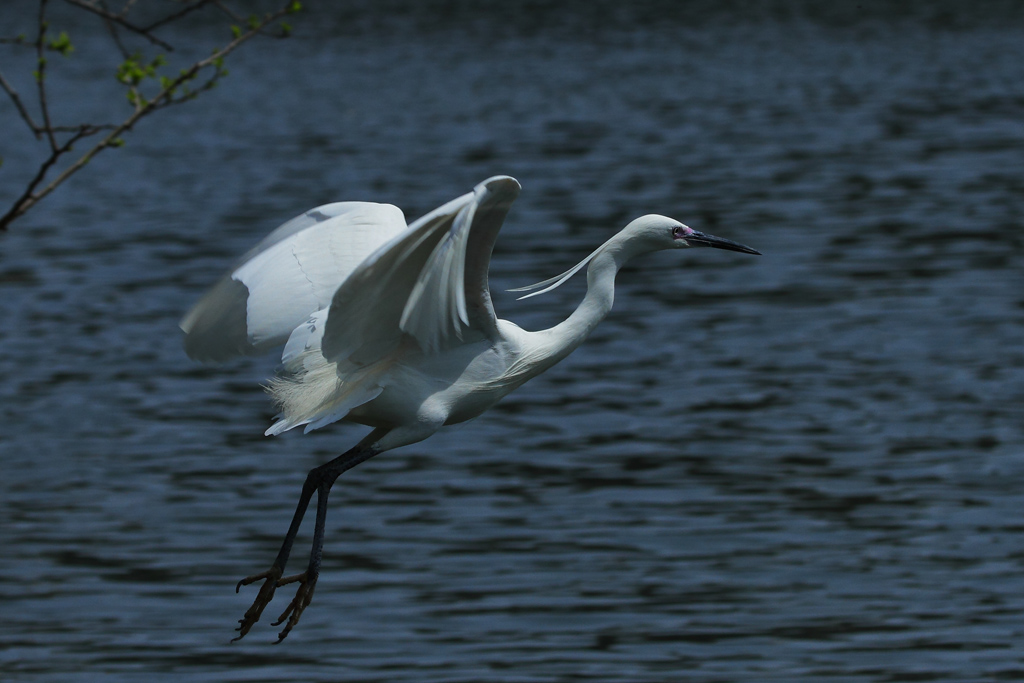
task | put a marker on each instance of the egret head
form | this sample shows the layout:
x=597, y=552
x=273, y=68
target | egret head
x=656, y=232
x=643, y=235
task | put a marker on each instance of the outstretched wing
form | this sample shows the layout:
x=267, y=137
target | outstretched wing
x=291, y=274
x=428, y=284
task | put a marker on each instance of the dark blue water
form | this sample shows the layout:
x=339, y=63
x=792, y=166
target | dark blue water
x=807, y=466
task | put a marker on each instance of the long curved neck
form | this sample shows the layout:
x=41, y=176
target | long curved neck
x=562, y=339
x=595, y=305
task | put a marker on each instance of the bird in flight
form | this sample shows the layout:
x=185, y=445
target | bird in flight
x=391, y=326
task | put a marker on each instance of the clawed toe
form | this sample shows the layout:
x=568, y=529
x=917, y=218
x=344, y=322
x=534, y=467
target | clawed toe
x=270, y=582
x=303, y=596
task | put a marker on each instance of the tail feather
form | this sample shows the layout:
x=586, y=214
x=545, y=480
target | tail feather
x=311, y=393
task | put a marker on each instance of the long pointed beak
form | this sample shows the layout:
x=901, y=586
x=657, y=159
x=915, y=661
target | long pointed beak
x=699, y=239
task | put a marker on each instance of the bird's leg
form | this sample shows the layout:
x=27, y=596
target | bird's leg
x=271, y=576
x=319, y=480
x=307, y=579
x=326, y=475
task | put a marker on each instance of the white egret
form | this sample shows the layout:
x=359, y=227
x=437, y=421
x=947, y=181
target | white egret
x=392, y=326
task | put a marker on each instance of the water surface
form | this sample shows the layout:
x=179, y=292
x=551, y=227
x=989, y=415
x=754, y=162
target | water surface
x=804, y=466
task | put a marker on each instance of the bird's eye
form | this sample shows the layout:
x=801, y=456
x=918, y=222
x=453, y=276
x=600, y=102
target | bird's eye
x=678, y=232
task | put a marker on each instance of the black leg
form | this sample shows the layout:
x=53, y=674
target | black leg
x=271, y=576
x=320, y=479
x=307, y=579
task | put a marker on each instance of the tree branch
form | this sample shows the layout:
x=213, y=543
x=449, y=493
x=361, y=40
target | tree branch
x=41, y=76
x=27, y=199
x=116, y=37
x=172, y=91
x=237, y=18
x=20, y=106
x=127, y=6
x=120, y=20
x=178, y=15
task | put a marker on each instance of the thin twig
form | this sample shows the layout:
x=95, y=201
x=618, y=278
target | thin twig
x=227, y=12
x=27, y=199
x=164, y=98
x=177, y=15
x=114, y=35
x=127, y=6
x=20, y=106
x=238, y=19
x=90, y=127
x=41, y=76
x=121, y=21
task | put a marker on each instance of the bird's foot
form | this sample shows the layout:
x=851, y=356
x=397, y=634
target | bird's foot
x=303, y=596
x=271, y=579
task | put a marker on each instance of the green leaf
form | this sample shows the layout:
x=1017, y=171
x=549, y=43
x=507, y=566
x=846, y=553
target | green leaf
x=294, y=7
x=61, y=44
x=129, y=72
x=235, y=31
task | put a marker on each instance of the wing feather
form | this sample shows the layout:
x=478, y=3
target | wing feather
x=494, y=199
x=428, y=285
x=364, y=321
x=289, y=275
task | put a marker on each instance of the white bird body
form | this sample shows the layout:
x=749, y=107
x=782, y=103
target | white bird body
x=391, y=326
x=419, y=392
x=442, y=390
